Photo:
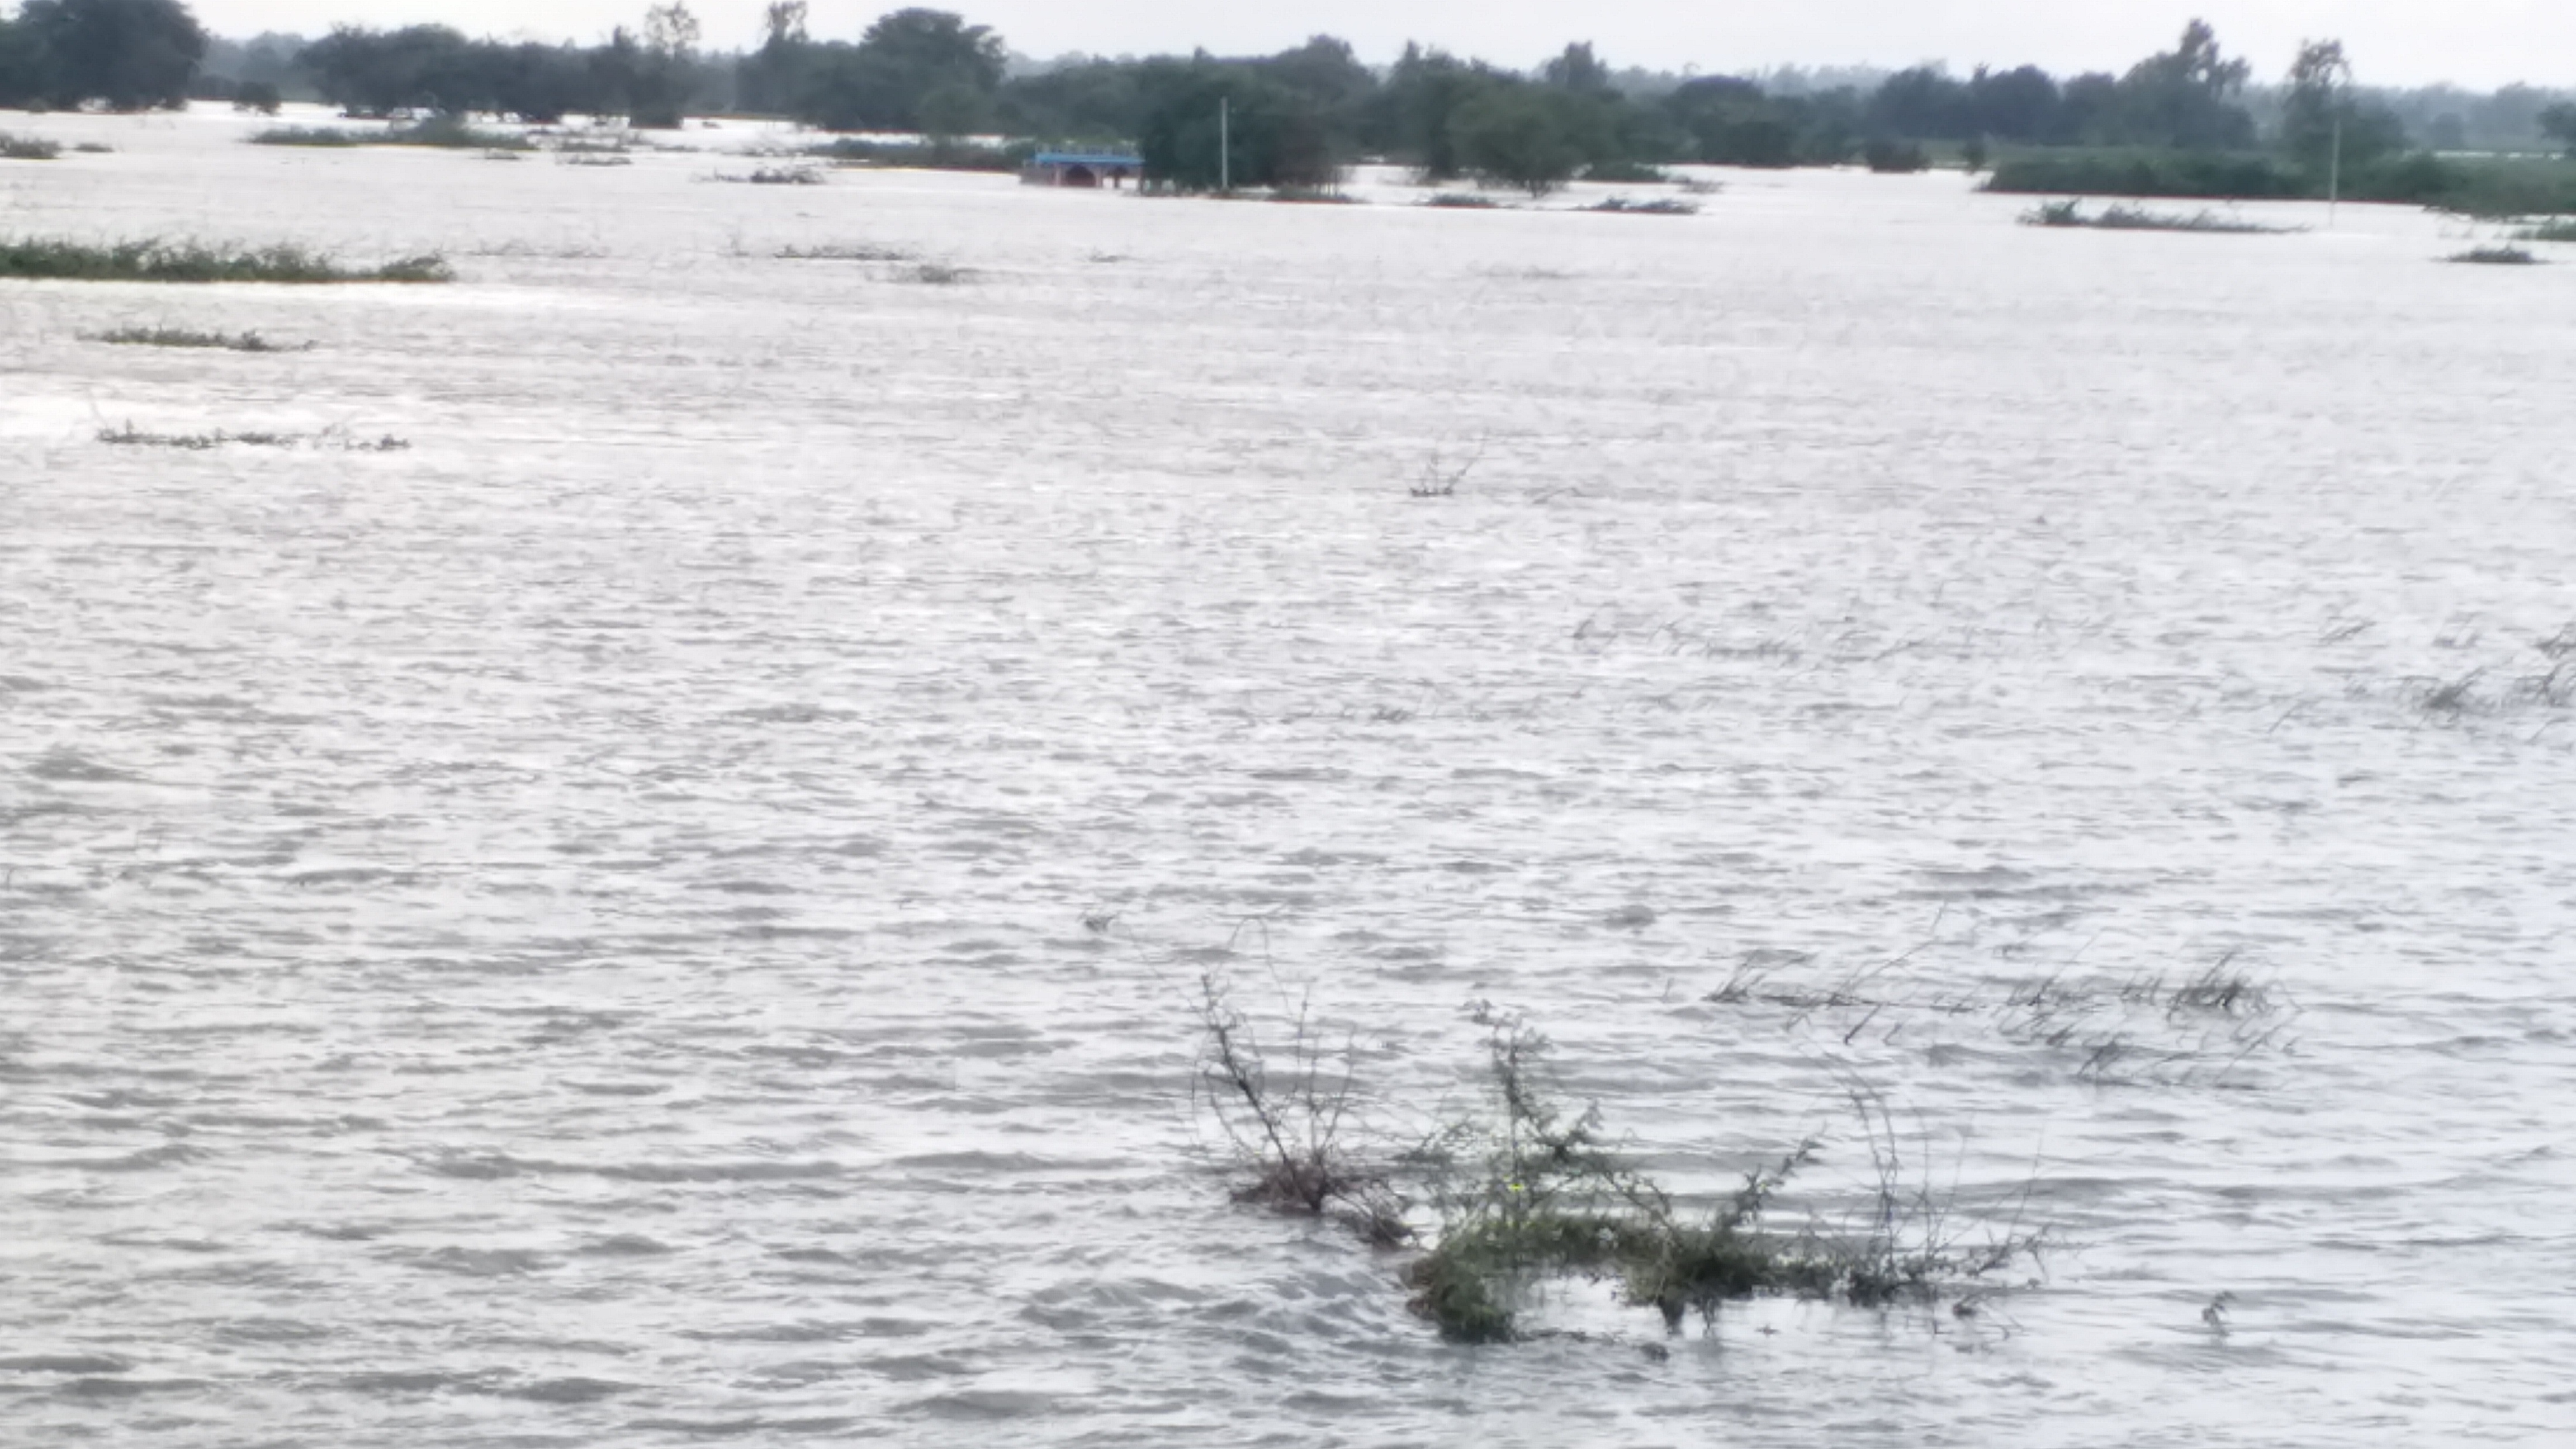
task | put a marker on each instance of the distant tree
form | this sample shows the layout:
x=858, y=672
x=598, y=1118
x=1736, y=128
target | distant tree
x=902, y=60
x=127, y=55
x=21, y=66
x=663, y=73
x=1921, y=104
x=257, y=98
x=1520, y=135
x=1731, y=122
x=2021, y=105
x=1271, y=136
x=2188, y=97
x=2320, y=120
x=1580, y=71
x=2558, y=123
x=769, y=77
x=1410, y=117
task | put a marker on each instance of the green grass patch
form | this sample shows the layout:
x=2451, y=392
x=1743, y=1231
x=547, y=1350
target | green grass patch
x=2122, y=217
x=49, y=259
x=183, y=337
x=28, y=148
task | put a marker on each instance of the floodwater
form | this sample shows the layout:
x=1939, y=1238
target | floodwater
x=669, y=910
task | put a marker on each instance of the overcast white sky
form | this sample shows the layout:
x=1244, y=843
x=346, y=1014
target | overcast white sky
x=2481, y=43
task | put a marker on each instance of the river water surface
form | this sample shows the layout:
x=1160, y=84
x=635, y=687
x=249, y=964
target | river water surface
x=669, y=910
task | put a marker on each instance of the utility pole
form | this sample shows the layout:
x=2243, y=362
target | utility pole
x=2334, y=172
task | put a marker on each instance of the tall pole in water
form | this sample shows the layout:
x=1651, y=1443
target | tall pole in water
x=1225, y=145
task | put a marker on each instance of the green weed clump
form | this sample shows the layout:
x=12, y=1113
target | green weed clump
x=2496, y=257
x=1528, y=1192
x=846, y=252
x=1461, y=201
x=28, y=148
x=316, y=136
x=192, y=261
x=441, y=132
x=1659, y=206
x=2123, y=217
x=187, y=338
x=334, y=439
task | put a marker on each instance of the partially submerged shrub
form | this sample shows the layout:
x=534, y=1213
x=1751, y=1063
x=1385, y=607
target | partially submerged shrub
x=857, y=252
x=937, y=274
x=1460, y=201
x=2496, y=256
x=1659, y=206
x=319, y=136
x=1530, y=1190
x=2121, y=216
x=447, y=132
x=28, y=148
x=192, y=261
x=331, y=439
x=774, y=176
x=2555, y=229
x=1291, y=1116
x=185, y=337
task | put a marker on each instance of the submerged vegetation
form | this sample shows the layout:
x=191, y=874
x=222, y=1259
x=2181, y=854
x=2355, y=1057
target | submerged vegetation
x=154, y=260
x=444, y=132
x=2122, y=217
x=183, y=337
x=2498, y=256
x=28, y=148
x=1526, y=1190
x=2555, y=229
x=1658, y=206
x=330, y=439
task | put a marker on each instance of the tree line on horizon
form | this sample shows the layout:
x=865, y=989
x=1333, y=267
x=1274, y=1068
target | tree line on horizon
x=1296, y=118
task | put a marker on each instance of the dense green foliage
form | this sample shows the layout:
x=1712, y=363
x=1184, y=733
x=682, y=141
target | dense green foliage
x=2188, y=121
x=125, y=55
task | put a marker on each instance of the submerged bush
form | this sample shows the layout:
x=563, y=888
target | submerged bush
x=28, y=148
x=186, y=338
x=1529, y=1191
x=2555, y=229
x=2121, y=217
x=2496, y=257
x=442, y=132
x=191, y=261
x=1660, y=206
